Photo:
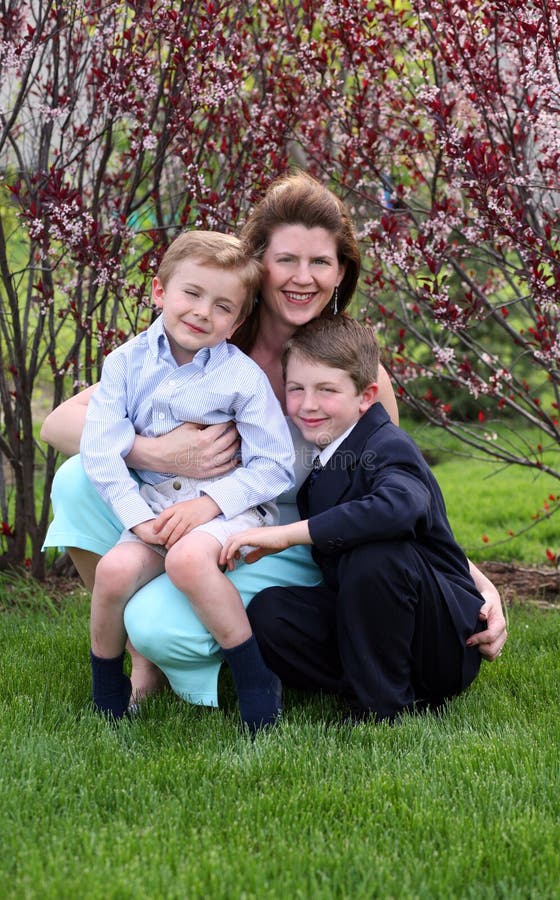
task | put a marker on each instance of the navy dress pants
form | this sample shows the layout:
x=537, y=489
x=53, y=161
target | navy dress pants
x=380, y=634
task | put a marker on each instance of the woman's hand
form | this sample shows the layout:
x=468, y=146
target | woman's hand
x=193, y=451
x=491, y=641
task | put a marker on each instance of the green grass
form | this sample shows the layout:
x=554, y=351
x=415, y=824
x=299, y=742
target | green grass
x=485, y=499
x=179, y=804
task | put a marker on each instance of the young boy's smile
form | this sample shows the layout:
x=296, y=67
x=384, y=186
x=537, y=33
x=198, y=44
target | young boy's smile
x=201, y=306
x=322, y=401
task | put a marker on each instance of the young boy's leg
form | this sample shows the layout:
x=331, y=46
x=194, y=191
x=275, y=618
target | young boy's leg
x=384, y=638
x=192, y=566
x=400, y=646
x=119, y=574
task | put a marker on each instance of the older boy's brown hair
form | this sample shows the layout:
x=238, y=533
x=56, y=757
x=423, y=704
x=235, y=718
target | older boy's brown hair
x=339, y=342
x=221, y=251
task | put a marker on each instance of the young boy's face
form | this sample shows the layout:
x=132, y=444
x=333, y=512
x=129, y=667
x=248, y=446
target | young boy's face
x=201, y=306
x=323, y=402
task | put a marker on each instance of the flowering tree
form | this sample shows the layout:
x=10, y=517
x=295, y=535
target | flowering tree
x=449, y=146
x=437, y=121
x=120, y=123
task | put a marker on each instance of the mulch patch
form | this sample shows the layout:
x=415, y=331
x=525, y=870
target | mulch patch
x=516, y=584
x=536, y=584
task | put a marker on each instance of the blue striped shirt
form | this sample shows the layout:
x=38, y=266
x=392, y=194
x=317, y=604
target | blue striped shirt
x=143, y=391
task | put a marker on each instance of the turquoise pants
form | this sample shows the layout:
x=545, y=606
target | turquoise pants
x=159, y=619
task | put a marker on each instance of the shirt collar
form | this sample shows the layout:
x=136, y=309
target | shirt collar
x=328, y=451
x=159, y=345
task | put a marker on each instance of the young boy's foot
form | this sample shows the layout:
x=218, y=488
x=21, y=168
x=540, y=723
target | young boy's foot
x=261, y=708
x=111, y=687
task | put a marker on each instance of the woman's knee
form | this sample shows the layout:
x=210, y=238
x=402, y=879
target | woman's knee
x=69, y=481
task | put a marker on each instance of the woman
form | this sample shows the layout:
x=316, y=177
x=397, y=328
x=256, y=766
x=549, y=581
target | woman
x=304, y=238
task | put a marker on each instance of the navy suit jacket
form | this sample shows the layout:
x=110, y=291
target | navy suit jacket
x=378, y=487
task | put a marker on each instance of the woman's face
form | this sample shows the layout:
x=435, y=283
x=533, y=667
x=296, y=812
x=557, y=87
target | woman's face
x=301, y=271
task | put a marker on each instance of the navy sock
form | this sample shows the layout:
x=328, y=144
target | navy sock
x=111, y=687
x=258, y=689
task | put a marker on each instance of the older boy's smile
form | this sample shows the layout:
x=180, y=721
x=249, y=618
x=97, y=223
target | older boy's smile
x=322, y=401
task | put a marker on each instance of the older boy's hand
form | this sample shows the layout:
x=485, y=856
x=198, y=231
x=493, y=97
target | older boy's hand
x=266, y=540
x=182, y=517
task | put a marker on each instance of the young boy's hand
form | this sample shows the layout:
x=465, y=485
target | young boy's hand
x=145, y=531
x=182, y=517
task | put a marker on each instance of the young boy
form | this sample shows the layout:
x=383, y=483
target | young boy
x=388, y=627
x=182, y=369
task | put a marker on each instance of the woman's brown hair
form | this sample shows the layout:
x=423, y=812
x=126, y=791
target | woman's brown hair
x=299, y=199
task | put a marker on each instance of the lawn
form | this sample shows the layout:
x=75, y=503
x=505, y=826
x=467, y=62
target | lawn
x=496, y=512
x=177, y=803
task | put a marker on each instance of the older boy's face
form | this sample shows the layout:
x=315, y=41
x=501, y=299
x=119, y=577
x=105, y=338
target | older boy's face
x=323, y=402
x=201, y=307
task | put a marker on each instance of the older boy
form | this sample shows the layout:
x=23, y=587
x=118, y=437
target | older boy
x=391, y=620
x=182, y=369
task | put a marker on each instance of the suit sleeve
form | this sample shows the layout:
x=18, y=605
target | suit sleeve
x=396, y=505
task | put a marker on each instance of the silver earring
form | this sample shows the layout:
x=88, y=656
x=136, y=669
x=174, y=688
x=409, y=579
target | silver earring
x=335, y=300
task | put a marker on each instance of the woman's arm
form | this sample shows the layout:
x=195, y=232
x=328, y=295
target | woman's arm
x=189, y=450
x=386, y=395
x=63, y=427
x=491, y=641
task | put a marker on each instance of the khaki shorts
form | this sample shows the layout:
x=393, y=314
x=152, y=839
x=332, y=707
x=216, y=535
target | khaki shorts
x=167, y=493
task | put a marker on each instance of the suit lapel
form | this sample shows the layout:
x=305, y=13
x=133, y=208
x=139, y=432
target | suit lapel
x=334, y=481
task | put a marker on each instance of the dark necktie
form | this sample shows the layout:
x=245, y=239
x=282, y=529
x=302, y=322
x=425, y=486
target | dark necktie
x=315, y=471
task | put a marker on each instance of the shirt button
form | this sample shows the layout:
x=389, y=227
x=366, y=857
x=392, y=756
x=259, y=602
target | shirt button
x=161, y=416
x=177, y=485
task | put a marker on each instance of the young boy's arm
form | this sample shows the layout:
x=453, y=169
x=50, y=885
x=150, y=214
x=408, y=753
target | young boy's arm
x=107, y=437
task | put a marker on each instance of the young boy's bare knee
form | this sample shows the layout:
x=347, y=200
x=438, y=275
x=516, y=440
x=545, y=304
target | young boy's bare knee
x=126, y=568
x=193, y=559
